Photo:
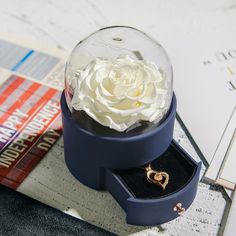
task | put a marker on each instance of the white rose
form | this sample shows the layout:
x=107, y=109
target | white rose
x=119, y=93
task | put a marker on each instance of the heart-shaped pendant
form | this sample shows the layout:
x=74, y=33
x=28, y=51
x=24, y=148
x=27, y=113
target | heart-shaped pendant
x=158, y=178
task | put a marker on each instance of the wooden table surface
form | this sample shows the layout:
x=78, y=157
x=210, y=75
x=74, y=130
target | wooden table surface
x=62, y=24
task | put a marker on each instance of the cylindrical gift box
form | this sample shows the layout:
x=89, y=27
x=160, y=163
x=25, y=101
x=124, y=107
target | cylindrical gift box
x=87, y=155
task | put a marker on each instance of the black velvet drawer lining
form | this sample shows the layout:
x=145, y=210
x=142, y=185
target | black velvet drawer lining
x=179, y=167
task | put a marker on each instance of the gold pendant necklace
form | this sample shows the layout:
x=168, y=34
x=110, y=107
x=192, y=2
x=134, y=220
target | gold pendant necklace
x=155, y=177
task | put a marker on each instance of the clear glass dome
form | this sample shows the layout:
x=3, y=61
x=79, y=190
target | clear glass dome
x=127, y=55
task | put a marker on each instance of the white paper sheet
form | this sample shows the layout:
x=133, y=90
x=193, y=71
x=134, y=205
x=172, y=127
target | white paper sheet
x=205, y=85
x=228, y=170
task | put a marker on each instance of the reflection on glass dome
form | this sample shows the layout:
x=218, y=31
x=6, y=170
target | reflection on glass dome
x=118, y=81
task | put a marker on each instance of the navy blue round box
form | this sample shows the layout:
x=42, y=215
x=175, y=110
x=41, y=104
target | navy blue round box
x=115, y=164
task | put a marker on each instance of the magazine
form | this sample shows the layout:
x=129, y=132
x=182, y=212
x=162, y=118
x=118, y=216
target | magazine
x=30, y=116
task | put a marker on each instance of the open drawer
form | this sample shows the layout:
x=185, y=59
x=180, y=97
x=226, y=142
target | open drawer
x=146, y=203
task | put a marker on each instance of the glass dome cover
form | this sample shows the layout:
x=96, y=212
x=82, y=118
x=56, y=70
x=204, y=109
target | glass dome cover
x=118, y=81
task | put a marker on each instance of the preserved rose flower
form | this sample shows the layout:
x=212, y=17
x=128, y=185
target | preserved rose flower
x=118, y=93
